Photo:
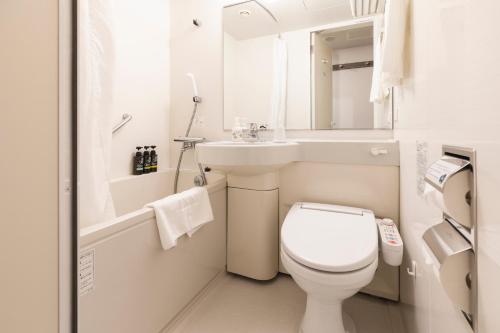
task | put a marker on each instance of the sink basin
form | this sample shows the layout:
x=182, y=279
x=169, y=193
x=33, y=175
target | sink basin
x=246, y=143
x=247, y=158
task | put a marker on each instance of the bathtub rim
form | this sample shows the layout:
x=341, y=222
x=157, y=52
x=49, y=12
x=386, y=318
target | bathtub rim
x=96, y=232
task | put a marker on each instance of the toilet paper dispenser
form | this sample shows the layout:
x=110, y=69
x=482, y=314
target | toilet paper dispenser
x=455, y=257
x=451, y=186
x=448, y=186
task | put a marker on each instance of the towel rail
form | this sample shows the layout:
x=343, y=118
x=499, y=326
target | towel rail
x=352, y=65
x=125, y=119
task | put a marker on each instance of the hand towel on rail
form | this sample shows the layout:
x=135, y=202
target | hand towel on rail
x=181, y=213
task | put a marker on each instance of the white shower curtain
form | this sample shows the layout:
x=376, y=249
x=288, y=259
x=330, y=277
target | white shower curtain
x=95, y=85
x=280, y=77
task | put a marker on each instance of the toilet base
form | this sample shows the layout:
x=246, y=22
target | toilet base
x=348, y=324
x=325, y=293
x=326, y=317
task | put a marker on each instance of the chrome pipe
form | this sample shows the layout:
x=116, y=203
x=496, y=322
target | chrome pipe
x=177, y=171
x=189, y=143
x=195, y=99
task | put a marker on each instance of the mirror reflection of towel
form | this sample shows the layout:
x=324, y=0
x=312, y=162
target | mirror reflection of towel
x=389, y=49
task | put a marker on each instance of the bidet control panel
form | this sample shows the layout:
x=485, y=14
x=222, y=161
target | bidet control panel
x=392, y=244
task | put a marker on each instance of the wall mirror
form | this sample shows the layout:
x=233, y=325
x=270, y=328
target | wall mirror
x=328, y=59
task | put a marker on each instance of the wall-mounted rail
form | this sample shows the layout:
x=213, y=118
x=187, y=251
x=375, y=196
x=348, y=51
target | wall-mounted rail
x=125, y=119
x=352, y=65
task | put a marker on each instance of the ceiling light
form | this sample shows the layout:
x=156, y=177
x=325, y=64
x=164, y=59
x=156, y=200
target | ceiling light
x=245, y=13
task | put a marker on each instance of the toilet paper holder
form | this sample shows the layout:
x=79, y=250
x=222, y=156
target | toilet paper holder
x=444, y=241
x=448, y=186
x=454, y=241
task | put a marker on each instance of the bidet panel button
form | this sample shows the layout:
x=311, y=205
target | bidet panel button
x=392, y=244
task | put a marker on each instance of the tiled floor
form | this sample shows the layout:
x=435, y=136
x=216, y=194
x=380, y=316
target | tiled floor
x=238, y=305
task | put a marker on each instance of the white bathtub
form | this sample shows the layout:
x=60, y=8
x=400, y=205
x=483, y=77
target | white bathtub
x=138, y=287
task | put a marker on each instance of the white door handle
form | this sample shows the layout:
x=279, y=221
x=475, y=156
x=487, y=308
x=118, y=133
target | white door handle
x=413, y=271
x=379, y=151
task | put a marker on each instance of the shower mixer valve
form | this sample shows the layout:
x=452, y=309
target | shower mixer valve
x=189, y=142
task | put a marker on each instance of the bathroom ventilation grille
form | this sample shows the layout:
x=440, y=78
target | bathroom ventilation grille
x=322, y=4
x=361, y=8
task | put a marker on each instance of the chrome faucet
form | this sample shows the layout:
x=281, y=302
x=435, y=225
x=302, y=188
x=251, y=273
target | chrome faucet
x=252, y=132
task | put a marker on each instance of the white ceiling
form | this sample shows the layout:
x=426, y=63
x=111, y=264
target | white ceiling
x=291, y=14
x=347, y=38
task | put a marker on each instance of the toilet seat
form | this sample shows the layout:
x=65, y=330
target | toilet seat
x=345, y=280
x=330, y=238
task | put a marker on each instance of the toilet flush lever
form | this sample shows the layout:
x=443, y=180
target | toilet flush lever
x=376, y=151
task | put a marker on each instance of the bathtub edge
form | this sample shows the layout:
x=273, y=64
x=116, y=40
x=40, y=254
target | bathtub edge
x=95, y=233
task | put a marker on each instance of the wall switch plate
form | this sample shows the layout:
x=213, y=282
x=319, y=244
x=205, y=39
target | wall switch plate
x=422, y=152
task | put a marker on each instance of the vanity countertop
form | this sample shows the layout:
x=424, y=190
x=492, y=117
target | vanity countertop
x=365, y=152
x=343, y=151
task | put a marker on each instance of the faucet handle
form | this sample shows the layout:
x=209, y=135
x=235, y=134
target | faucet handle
x=253, y=126
x=252, y=132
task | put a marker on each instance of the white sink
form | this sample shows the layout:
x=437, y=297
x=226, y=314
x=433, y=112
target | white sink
x=247, y=158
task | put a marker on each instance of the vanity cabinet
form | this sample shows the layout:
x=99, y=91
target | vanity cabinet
x=253, y=226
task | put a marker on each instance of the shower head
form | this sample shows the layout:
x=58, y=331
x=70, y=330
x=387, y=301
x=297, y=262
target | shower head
x=195, y=86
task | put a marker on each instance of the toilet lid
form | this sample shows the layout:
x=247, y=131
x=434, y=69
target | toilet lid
x=330, y=238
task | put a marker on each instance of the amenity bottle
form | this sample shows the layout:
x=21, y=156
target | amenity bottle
x=138, y=162
x=154, y=159
x=147, y=160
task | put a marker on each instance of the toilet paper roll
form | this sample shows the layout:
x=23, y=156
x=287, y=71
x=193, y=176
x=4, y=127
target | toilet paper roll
x=453, y=275
x=452, y=199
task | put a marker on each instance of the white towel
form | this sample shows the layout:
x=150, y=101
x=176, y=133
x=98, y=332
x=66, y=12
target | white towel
x=394, y=41
x=182, y=213
x=377, y=94
x=391, y=50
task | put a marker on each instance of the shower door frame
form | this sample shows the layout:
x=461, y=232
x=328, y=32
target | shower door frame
x=68, y=222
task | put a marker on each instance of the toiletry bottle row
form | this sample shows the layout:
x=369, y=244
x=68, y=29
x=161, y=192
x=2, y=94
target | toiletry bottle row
x=146, y=162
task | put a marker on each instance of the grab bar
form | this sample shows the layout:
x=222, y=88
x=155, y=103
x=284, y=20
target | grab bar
x=125, y=119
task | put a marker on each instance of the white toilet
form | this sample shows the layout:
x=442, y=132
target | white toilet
x=331, y=252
